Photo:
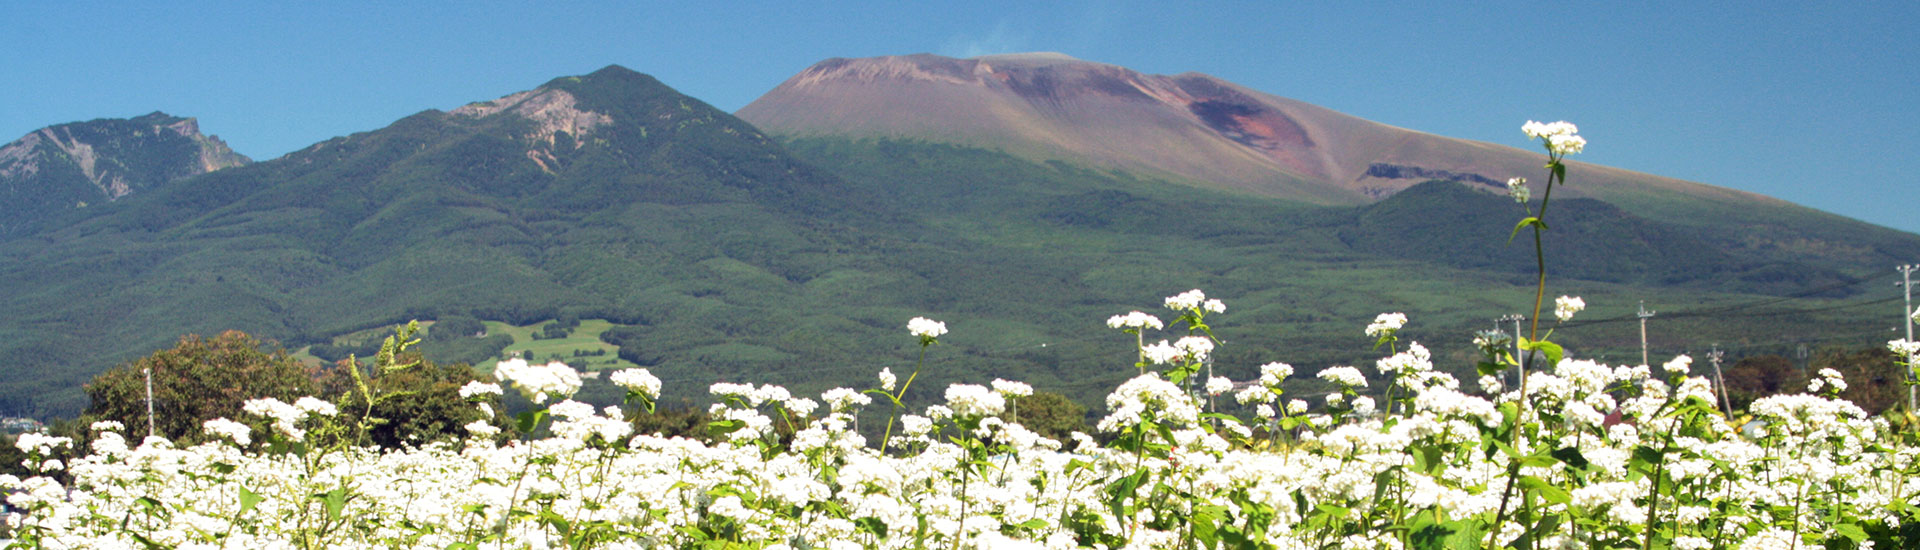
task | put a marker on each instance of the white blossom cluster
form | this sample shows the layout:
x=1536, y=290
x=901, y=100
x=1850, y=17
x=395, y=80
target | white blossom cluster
x=1565, y=306
x=926, y=328
x=1135, y=320
x=538, y=383
x=1562, y=137
x=1386, y=323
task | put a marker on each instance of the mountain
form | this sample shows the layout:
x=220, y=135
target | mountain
x=720, y=253
x=54, y=170
x=1204, y=131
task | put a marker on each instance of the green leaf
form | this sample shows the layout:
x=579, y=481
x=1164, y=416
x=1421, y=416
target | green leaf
x=1554, y=351
x=1546, y=490
x=1488, y=368
x=1529, y=220
x=1851, y=531
x=336, y=501
x=1571, y=456
x=249, y=499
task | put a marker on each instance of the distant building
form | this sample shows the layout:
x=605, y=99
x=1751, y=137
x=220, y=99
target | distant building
x=14, y=425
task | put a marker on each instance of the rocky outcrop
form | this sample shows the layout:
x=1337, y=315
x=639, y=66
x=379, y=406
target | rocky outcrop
x=77, y=164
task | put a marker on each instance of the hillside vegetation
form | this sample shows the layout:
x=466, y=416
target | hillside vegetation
x=716, y=253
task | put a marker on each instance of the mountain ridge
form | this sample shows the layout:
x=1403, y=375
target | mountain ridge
x=49, y=172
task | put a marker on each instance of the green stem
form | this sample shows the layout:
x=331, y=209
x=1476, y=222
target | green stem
x=887, y=436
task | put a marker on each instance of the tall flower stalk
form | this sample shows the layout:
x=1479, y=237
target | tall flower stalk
x=928, y=331
x=1560, y=139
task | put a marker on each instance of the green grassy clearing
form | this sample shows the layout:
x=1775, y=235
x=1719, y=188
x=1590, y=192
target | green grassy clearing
x=585, y=337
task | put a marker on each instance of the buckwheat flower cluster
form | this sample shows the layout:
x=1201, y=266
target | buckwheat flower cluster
x=1011, y=388
x=974, y=400
x=286, y=418
x=537, y=383
x=236, y=432
x=639, y=381
x=1680, y=364
x=1562, y=137
x=1517, y=188
x=844, y=399
x=477, y=388
x=1904, y=348
x=1565, y=306
x=1148, y=392
x=926, y=328
x=1828, y=378
x=1386, y=323
x=1194, y=300
x=1195, y=348
x=1135, y=320
x=41, y=444
x=1345, y=376
x=1162, y=353
x=1218, y=385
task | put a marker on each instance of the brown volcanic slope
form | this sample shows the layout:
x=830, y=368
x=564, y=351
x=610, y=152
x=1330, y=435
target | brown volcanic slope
x=1190, y=126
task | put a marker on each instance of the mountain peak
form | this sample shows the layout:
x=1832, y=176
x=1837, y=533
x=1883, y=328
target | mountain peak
x=72, y=165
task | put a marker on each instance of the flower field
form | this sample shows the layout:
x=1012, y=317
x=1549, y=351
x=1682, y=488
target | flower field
x=1590, y=456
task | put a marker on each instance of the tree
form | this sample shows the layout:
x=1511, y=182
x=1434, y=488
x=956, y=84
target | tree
x=197, y=380
x=1759, y=376
x=1052, y=415
x=425, y=403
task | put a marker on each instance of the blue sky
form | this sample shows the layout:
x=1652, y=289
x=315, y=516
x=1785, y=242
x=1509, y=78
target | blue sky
x=1806, y=101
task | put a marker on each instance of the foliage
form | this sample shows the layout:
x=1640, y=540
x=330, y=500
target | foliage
x=196, y=380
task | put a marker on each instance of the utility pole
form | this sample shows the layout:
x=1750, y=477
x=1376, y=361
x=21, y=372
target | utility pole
x=1801, y=354
x=1644, y=314
x=1519, y=358
x=1715, y=356
x=148, y=371
x=1906, y=312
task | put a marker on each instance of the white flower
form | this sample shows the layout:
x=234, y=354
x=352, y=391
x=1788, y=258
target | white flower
x=1560, y=136
x=842, y=399
x=1135, y=320
x=1834, y=379
x=1218, y=385
x=1363, y=406
x=974, y=400
x=926, y=328
x=571, y=410
x=107, y=426
x=1011, y=388
x=312, y=405
x=1186, y=300
x=1517, y=188
x=1162, y=353
x=234, y=431
x=1565, y=306
x=480, y=428
x=1296, y=406
x=640, y=381
x=887, y=379
x=1904, y=348
x=1386, y=323
x=1680, y=364
x=537, y=383
x=1567, y=145
x=1215, y=306
x=1195, y=347
x=1345, y=376
x=1272, y=374
x=477, y=387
